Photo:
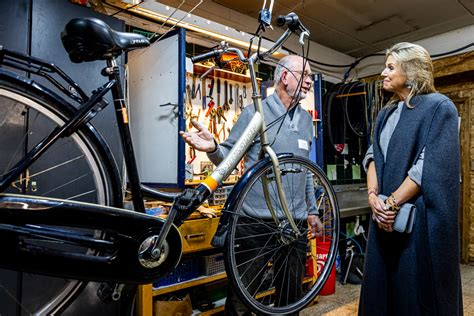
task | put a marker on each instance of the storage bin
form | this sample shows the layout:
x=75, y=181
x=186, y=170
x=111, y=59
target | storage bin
x=213, y=264
x=186, y=270
x=197, y=234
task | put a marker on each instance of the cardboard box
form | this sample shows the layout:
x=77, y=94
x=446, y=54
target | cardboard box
x=175, y=308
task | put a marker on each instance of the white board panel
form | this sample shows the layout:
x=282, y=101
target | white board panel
x=153, y=82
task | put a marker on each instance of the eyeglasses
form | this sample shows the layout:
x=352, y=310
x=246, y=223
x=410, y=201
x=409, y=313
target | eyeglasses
x=305, y=74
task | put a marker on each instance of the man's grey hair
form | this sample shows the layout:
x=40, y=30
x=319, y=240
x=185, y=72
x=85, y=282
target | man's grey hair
x=283, y=64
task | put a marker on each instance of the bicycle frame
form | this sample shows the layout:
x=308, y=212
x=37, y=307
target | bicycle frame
x=183, y=203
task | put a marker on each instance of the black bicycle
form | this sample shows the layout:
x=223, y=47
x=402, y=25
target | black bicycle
x=79, y=230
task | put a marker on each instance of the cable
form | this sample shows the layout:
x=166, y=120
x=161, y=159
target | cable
x=354, y=241
x=355, y=63
x=358, y=128
x=312, y=60
x=295, y=97
x=125, y=9
x=453, y=51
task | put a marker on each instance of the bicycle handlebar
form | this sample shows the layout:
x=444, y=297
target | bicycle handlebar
x=291, y=20
x=213, y=53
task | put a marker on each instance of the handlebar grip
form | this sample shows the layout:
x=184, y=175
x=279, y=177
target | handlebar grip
x=213, y=53
x=291, y=19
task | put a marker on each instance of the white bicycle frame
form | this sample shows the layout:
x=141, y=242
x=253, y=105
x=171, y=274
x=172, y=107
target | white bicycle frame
x=257, y=125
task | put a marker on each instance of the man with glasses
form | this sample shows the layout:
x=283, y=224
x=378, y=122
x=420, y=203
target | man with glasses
x=292, y=81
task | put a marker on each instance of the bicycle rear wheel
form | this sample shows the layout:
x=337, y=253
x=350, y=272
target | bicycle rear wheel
x=272, y=270
x=76, y=168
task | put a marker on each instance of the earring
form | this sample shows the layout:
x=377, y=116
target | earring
x=409, y=84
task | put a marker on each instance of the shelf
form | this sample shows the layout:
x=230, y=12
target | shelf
x=221, y=73
x=218, y=307
x=212, y=311
x=188, y=284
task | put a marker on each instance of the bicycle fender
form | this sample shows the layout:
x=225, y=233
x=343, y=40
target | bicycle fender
x=30, y=84
x=220, y=236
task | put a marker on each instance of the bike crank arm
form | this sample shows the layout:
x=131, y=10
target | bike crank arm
x=83, y=241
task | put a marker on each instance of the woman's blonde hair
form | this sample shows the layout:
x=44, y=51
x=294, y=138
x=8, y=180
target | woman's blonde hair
x=416, y=63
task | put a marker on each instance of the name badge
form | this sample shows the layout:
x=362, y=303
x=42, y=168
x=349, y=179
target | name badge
x=302, y=144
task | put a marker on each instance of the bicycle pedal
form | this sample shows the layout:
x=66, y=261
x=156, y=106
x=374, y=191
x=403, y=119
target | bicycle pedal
x=187, y=201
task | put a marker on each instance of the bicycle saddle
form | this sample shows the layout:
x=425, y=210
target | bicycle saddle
x=89, y=39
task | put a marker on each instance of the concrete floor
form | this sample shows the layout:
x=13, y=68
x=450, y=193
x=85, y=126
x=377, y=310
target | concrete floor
x=346, y=299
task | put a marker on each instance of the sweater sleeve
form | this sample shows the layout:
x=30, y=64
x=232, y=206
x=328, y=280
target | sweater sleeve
x=369, y=156
x=416, y=171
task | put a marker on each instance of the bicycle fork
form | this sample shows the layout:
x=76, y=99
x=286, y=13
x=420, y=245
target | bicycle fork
x=257, y=100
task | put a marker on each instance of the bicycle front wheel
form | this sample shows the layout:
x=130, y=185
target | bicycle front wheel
x=272, y=269
x=75, y=168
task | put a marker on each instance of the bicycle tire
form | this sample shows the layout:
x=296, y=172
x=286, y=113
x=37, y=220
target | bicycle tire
x=335, y=133
x=356, y=110
x=29, y=111
x=257, y=269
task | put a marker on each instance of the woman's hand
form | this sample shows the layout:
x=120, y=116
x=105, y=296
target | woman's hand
x=201, y=140
x=381, y=213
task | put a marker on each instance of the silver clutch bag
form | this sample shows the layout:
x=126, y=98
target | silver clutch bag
x=405, y=217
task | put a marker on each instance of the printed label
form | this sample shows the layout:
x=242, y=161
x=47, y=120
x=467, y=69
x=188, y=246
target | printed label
x=302, y=144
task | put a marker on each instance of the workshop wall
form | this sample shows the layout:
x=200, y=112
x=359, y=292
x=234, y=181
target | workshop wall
x=454, y=76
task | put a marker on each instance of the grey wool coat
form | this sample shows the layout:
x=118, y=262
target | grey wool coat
x=418, y=273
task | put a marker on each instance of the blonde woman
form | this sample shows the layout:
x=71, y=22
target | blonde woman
x=414, y=158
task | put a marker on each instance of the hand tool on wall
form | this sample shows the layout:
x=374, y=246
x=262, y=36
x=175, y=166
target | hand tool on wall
x=220, y=114
x=237, y=94
x=225, y=105
x=214, y=124
x=209, y=126
x=218, y=92
x=230, y=92
x=218, y=97
x=188, y=96
x=221, y=131
x=245, y=92
x=193, y=88
x=189, y=105
x=236, y=114
x=192, y=154
x=210, y=105
x=196, y=89
x=194, y=117
x=203, y=99
x=212, y=127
